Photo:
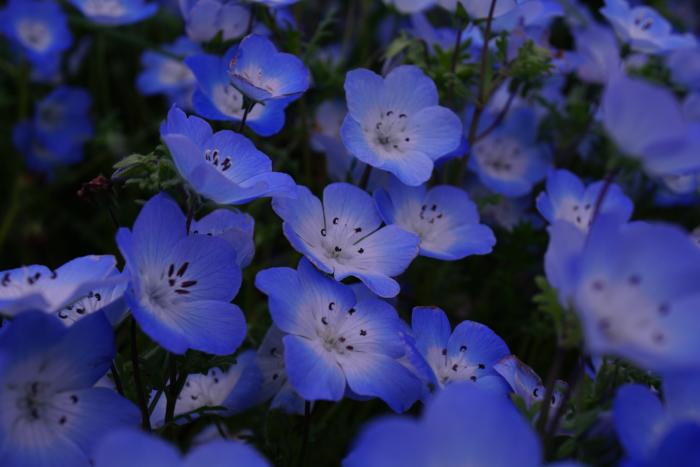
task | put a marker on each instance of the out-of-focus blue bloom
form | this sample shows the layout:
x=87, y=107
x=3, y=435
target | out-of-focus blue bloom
x=597, y=56
x=395, y=123
x=38, y=29
x=169, y=76
x=443, y=217
x=181, y=285
x=226, y=392
x=37, y=287
x=204, y=19
x=663, y=140
x=225, y=166
x=343, y=237
x=682, y=189
x=332, y=342
x=685, y=67
x=647, y=268
x=275, y=3
x=275, y=384
x=263, y=74
x=325, y=138
x=526, y=384
x=138, y=449
x=217, y=99
x=647, y=427
x=236, y=228
x=643, y=28
x=410, y=6
x=116, y=12
x=567, y=198
x=58, y=130
x=51, y=413
x=509, y=160
x=462, y=425
x=691, y=108
x=445, y=37
x=527, y=15
x=466, y=354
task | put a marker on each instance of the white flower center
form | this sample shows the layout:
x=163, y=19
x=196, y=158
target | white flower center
x=453, y=368
x=174, y=72
x=624, y=313
x=111, y=8
x=501, y=157
x=388, y=132
x=214, y=157
x=34, y=34
x=577, y=213
x=341, y=241
x=162, y=292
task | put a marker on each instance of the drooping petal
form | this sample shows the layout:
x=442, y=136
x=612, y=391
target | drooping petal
x=313, y=371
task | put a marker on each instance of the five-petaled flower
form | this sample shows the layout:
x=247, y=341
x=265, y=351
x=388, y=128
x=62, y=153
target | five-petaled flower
x=343, y=236
x=395, y=123
x=181, y=285
x=333, y=342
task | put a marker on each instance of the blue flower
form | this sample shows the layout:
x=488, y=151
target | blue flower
x=37, y=287
x=662, y=140
x=116, y=12
x=224, y=166
x=167, y=75
x=225, y=392
x=597, y=56
x=685, y=67
x=181, y=285
x=56, y=134
x=275, y=384
x=132, y=447
x=643, y=28
x=468, y=353
x=234, y=227
x=217, y=99
x=648, y=428
x=51, y=414
x=647, y=268
x=410, y=6
x=332, y=342
x=443, y=217
x=395, y=123
x=275, y=3
x=527, y=385
x=462, y=425
x=566, y=198
x=343, y=236
x=509, y=160
x=263, y=74
x=39, y=30
x=204, y=19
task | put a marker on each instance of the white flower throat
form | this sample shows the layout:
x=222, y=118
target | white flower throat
x=389, y=132
x=34, y=34
x=112, y=8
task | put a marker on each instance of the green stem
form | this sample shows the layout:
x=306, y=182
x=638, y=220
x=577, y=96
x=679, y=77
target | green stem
x=172, y=391
x=248, y=107
x=145, y=417
x=305, y=436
